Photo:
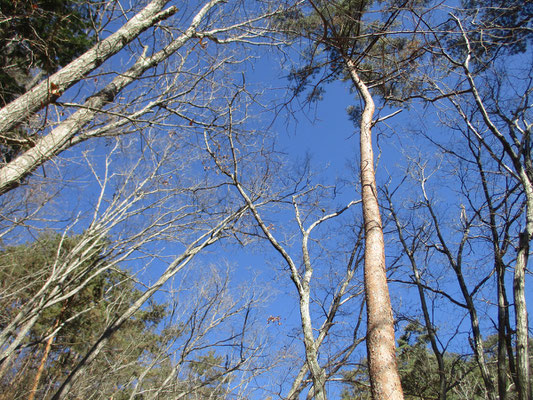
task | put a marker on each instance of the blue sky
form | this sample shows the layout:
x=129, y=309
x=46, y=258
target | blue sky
x=323, y=132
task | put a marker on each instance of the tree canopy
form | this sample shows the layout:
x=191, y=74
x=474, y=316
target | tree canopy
x=305, y=199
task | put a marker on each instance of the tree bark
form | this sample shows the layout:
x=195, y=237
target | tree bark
x=60, y=138
x=40, y=370
x=29, y=103
x=522, y=336
x=381, y=345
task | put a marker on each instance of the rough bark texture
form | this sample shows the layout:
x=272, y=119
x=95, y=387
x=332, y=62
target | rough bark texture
x=519, y=291
x=381, y=345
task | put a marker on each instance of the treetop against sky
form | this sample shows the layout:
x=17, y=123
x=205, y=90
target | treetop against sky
x=185, y=196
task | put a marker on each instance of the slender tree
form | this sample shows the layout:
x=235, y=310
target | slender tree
x=226, y=151
x=361, y=52
x=475, y=45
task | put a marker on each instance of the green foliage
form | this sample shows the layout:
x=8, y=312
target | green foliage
x=341, y=29
x=206, y=372
x=495, y=29
x=39, y=34
x=81, y=318
x=330, y=27
x=139, y=348
x=28, y=267
x=418, y=368
x=419, y=371
x=37, y=37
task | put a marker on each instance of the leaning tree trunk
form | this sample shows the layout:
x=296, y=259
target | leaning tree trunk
x=50, y=89
x=381, y=347
x=44, y=358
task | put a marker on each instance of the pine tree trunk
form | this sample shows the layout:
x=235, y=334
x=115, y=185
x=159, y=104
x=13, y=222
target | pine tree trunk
x=40, y=370
x=381, y=345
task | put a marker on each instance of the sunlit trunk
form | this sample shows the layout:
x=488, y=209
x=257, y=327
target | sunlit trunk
x=522, y=359
x=381, y=346
x=40, y=370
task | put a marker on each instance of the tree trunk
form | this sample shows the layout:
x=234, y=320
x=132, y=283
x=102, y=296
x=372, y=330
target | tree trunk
x=40, y=370
x=522, y=336
x=502, y=337
x=318, y=374
x=381, y=345
x=62, y=137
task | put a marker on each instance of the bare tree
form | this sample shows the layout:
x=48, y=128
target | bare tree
x=210, y=321
x=479, y=81
x=432, y=234
x=158, y=112
x=49, y=90
x=497, y=121
x=151, y=190
x=184, y=49
x=410, y=248
x=252, y=179
x=122, y=199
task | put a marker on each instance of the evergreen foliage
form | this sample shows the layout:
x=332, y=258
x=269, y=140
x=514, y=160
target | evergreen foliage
x=40, y=35
x=419, y=371
x=338, y=29
x=37, y=37
x=79, y=320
